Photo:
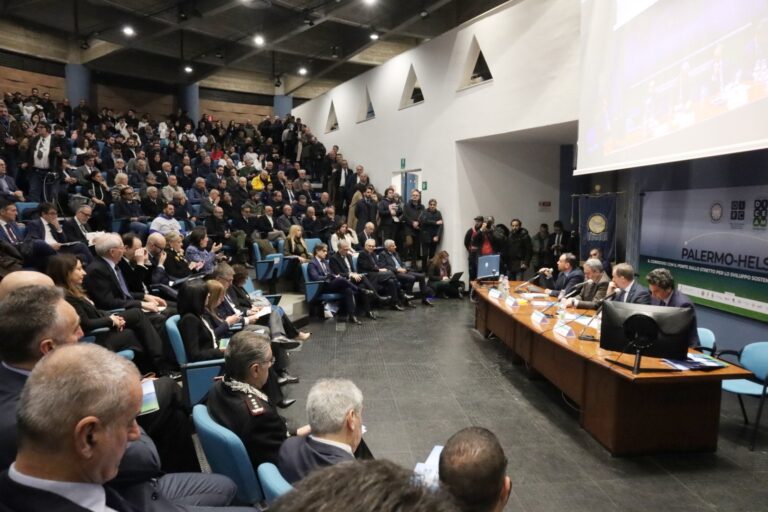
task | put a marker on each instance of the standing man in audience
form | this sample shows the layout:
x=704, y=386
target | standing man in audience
x=472, y=249
x=591, y=294
x=44, y=165
x=389, y=215
x=663, y=293
x=517, y=251
x=473, y=468
x=568, y=277
x=625, y=287
x=558, y=241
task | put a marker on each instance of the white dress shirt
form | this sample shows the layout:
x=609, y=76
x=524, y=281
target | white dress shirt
x=42, y=150
x=88, y=496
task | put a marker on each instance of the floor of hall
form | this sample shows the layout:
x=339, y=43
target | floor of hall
x=425, y=373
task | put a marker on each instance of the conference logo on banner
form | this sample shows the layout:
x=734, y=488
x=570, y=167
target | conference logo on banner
x=715, y=242
x=597, y=224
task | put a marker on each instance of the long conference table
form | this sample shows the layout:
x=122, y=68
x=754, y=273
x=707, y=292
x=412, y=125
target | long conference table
x=658, y=410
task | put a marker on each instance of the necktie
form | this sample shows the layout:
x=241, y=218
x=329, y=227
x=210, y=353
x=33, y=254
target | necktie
x=4, y=185
x=82, y=228
x=322, y=264
x=11, y=234
x=397, y=262
x=121, y=281
x=621, y=296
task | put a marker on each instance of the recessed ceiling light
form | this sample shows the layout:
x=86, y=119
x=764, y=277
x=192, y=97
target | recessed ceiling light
x=302, y=71
x=188, y=69
x=258, y=40
x=374, y=35
x=128, y=31
x=369, y=2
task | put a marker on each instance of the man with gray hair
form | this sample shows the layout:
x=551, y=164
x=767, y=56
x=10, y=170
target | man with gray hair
x=592, y=293
x=238, y=402
x=77, y=228
x=335, y=413
x=391, y=260
x=76, y=415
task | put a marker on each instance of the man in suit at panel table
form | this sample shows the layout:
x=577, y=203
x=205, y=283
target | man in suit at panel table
x=8, y=189
x=48, y=229
x=569, y=276
x=663, y=293
x=625, y=286
x=592, y=294
x=334, y=411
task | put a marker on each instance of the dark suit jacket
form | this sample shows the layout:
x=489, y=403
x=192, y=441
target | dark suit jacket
x=15, y=497
x=316, y=272
x=366, y=262
x=680, y=300
x=338, y=266
x=387, y=260
x=638, y=294
x=564, y=282
x=198, y=341
x=363, y=237
x=11, y=188
x=104, y=289
x=564, y=241
x=591, y=293
x=300, y=455
x=11, y=384
x=264, y=227
x=262, y=433
x=246, y=225
x=16, y=231
x=36, y=231
x=72, y=231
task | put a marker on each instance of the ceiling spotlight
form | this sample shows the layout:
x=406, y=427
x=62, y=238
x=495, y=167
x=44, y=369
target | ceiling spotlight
x=258, y=40
x=335, y=52
x=424, y=14
x=369, y=2
x=302, y=71
x=374, y=36
x=219, y=55
x=84, y=44
x=188, y=69
x=308, y=20
x=278, y=82
x=128, y=31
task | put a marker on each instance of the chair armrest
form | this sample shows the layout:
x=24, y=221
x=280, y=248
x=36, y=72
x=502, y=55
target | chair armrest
x=204, y=364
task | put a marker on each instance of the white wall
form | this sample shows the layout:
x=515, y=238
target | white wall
x=532, y=49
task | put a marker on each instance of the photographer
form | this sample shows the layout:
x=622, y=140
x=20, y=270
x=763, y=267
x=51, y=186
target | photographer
x=46, y=153
x=489, y=239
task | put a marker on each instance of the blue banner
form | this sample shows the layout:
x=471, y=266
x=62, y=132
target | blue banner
x=597, y=224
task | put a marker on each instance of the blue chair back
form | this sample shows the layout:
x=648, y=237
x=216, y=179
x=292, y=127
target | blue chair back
x=754, y=357
x=354, y=261
x=197, y=377
x=116, y=223
x=226, y=455
x=24, y=209
x=706, y=339
x=311, y=243
x=272, y=482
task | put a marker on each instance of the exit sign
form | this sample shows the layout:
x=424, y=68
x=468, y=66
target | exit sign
x=402, y=163
x=423, y=185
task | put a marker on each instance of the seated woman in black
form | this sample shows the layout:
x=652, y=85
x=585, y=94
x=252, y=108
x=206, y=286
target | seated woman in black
x=196, y=331
x=439, y=277
x=129, y=329
x=176, y=264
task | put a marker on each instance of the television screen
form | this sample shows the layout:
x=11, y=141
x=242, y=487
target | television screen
x=674, y=326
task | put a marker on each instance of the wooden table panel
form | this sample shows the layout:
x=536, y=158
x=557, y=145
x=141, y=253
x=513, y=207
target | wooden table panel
x=655, y=411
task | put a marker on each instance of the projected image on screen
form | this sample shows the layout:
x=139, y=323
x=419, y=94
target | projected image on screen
x=667, y=80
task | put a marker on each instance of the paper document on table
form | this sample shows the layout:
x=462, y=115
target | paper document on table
x=531, y=296
x=540, y=303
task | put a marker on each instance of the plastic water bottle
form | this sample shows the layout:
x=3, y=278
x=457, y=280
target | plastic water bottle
x=560, y=313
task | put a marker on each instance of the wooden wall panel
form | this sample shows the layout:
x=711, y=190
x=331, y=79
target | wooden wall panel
x=238, y=112
x=12, y=80
x=120, y=99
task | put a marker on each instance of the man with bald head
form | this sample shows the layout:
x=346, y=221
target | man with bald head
x=22, y=278
x=76, y=415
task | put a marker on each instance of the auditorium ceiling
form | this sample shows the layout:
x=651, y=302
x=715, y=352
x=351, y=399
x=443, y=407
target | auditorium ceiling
x=330, y=39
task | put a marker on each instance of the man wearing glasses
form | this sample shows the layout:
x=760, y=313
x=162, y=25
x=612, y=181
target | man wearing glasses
x=76, y=229
x=238, y=402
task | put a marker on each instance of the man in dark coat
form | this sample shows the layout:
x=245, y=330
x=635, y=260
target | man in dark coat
x=663, y=293
x=517, y=251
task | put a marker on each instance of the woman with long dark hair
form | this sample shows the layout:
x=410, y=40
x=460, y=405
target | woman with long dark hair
x=197, y=332
x=129, y=329
x=439, y=277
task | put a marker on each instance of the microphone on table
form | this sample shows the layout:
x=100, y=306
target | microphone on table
x=521, y=285
x=577, y=288
x=600, y=303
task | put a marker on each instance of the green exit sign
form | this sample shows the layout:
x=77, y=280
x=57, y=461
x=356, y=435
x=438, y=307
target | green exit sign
x=423, y=185
x=402, y=163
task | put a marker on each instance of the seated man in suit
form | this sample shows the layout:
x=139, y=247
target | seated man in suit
x=267, y=226
x=287, y=219
x=238, y=402
x=569, y=276
x=107, y=286
x=34, y=252
x=473, y=468
x=341, y=264
x=591, y=295
x=390, y=260
x=623, y=287
x=384, y=280
x=8, y=189
x=334, y=411
x=663, y=293
x=320, y=270
x=48, y=229
x=77, y=227
x=68, y=452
